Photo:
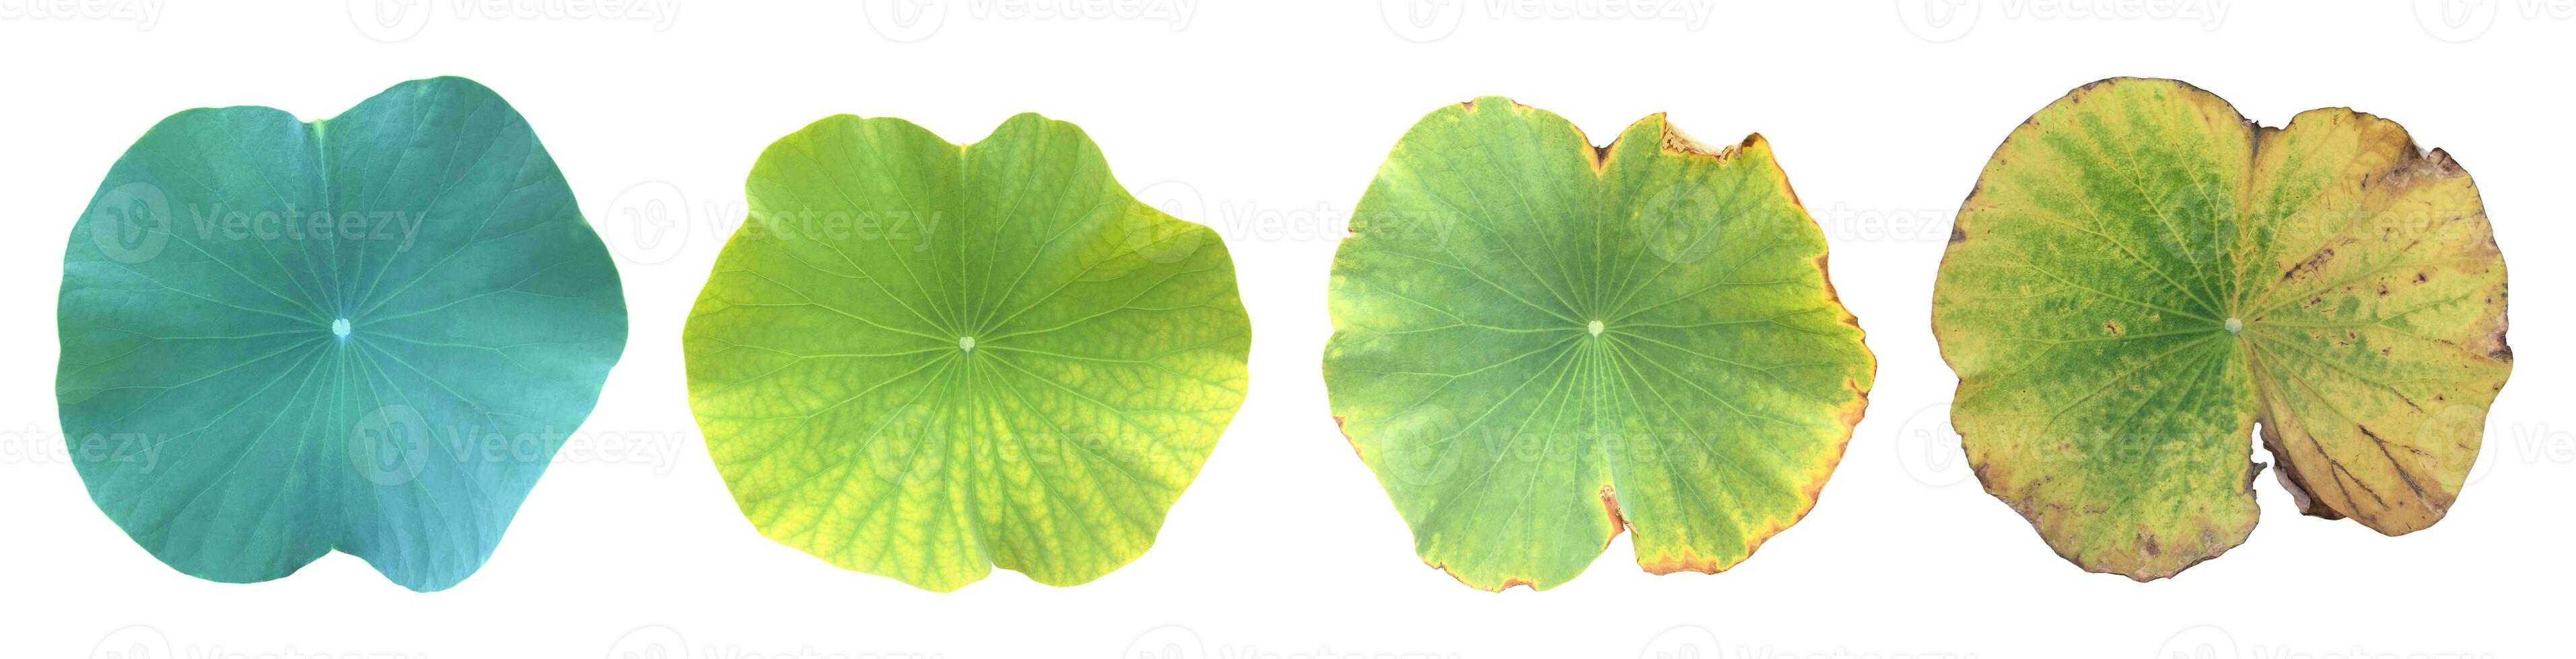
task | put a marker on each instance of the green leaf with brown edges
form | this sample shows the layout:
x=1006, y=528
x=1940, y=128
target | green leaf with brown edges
x=2142, y=275
x=1539, y=343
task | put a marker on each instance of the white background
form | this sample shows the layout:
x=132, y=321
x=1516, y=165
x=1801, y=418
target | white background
x=1266, y=120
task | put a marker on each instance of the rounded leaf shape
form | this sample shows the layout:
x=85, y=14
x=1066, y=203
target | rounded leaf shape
x=2142, y=275
x=368, y=333
x=922, y=360
x=1538, y=343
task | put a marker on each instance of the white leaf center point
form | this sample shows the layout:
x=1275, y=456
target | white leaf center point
x=2234, y=325
x=1596, y=328
x=966, y=343
x=340, y=327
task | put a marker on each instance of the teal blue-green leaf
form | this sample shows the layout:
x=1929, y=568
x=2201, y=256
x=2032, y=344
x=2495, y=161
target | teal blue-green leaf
x=366, y=334
x=924, y=360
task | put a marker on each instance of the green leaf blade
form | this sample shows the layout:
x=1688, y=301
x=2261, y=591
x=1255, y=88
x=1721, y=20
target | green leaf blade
x=1028, y=379
x=1514, y=439
x=197, y=316
x=2143, y=275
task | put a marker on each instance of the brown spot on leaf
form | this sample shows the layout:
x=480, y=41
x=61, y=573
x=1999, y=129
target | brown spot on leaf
x=1677, y=141
x=1610, y=503
x=2312, y=264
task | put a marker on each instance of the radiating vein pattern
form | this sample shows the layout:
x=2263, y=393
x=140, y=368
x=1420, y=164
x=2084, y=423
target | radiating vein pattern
x=368, y=333
x=2142, y=275
x=923, y=360
x=1538, y=344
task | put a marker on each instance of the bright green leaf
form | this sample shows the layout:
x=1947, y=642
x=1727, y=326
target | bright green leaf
x=2142, y=275
x=1538, y=343
x=368, y=333
x=923, y=360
